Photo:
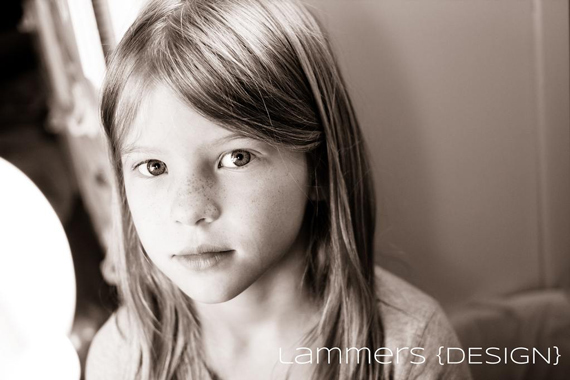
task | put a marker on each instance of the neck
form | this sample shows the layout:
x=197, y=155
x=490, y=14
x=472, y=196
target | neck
x=276, y=306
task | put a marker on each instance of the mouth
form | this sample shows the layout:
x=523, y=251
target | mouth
x=203, y=257
x=203, y=249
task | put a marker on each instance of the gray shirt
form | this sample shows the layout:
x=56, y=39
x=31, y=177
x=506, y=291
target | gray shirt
x=413, y=319
x=416, y=330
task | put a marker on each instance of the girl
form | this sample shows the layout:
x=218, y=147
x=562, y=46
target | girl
x=248, y=209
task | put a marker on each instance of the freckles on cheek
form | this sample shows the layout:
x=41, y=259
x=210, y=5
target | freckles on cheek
x=280, y=200
x=253, y=202
x=269, y=206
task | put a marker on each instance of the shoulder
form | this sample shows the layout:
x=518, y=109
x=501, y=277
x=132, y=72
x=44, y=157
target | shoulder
x=110, y=350
x=406, y=312
x=401, y=298
x=413, y=319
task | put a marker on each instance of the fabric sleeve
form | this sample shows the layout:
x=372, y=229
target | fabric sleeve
x=441, y=349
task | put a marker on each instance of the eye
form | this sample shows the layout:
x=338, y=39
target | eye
x=152, y=168
x=236, y=159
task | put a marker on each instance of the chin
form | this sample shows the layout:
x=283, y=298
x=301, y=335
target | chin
x=212, y=294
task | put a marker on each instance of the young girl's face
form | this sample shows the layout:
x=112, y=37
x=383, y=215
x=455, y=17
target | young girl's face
x=214, y=211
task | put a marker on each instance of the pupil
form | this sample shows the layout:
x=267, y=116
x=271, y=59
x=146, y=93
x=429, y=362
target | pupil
x=155, y=167
x=240, y=158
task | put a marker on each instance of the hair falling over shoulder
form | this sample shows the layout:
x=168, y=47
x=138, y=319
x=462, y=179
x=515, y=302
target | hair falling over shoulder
x=264, y=69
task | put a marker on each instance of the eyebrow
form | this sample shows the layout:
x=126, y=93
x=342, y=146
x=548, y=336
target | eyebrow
x=131, y=148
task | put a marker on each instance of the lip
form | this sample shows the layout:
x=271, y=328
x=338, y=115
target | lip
x=202, y=249
x=203, y=257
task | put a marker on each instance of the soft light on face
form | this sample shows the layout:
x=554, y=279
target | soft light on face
x=195, y=187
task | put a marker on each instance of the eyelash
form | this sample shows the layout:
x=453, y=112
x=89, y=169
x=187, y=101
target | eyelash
x=251, y=154
x=145, y=162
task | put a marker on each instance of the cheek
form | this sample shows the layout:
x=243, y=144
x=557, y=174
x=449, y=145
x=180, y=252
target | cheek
x=139, y=203
x=272, y=209
x=146, y=215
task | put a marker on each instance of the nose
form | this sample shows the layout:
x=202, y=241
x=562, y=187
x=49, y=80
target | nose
x=194, y=201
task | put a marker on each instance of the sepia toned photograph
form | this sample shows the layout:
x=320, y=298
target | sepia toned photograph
x=285, y=190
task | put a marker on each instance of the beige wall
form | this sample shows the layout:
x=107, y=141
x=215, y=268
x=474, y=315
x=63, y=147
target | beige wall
x=465, y=108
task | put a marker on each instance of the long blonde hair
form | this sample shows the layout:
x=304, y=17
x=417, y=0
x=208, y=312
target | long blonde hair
x=263, y=69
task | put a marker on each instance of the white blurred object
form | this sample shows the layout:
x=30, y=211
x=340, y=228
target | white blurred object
x=123, y=13
x=37, y=285
x=89, y=46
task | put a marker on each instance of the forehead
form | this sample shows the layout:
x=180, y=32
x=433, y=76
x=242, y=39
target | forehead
x=163, y=119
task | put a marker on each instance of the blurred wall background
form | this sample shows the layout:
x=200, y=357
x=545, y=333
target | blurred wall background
x=465, y=107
